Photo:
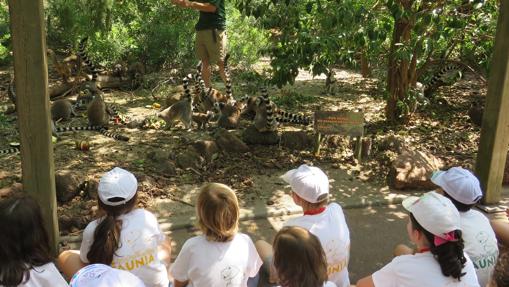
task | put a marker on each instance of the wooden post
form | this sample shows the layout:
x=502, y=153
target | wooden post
x=492, y=152
x=30, y=69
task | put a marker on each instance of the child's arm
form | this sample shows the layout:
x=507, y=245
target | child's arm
x=177, y=283
x=164, y=252
x=366, y=282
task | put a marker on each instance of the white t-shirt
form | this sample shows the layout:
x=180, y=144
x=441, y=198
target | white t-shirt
x=480, y=244
x=137, y=253
x=216, y=264
x=330, y=227
x=326, y=284
x=421, y=269
x=45, y=275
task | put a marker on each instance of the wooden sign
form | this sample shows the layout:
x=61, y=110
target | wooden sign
x=339, y=122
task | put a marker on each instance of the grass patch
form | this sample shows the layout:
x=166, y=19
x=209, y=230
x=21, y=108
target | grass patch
x=290, y=98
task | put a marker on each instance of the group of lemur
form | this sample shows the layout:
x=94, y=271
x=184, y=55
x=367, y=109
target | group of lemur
x=208, y=104
x=203, y=105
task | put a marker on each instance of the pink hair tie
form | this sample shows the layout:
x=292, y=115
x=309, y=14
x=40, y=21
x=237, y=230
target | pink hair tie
x=448, y=237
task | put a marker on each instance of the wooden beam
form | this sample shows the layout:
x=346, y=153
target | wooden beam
x=30, y=69
x=492, y=152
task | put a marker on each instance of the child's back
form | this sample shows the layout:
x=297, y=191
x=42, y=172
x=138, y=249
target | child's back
x=137, y=253
x=210, y=263
x=221, y=256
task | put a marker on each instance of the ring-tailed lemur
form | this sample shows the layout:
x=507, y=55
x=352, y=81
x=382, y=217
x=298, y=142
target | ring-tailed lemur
x=445, y=76
x=267, y=111
x=180, y=111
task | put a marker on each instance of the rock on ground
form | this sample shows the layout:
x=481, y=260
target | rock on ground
x=413, y=170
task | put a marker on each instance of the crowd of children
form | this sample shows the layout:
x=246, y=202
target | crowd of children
x=454, y=244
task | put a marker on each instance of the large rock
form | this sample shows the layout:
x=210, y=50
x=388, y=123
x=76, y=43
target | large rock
x=189, y=159
x=158, y=155
x=67, y=185
x=413, y=170
x=206, y=149
x=297, y=140
x=252, y=136
x=228, y=142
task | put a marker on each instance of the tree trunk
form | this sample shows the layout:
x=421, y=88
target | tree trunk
x=365, y=68
x=400, y=72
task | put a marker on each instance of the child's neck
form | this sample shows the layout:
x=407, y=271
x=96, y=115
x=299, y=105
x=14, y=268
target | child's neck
x=313, y=211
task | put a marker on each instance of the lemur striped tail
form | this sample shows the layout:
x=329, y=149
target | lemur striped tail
x=116, y=136
x=85, y=59
x=271, y=121
x=439, y=76
x=185, y=85
x=286, y=117
x=9, y=150
x=229, y=91
x=71, y=129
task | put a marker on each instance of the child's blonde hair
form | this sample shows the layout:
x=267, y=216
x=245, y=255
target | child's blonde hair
x=218, y=212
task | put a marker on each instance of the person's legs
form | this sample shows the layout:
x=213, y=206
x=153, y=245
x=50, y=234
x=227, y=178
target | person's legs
x=203, y=40
x=221, y=53
x=69, y=263
x=205, y=72
x=222, y=73
x=266, y=252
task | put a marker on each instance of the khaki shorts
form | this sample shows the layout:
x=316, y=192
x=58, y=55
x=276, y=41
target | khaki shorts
x=209, y=50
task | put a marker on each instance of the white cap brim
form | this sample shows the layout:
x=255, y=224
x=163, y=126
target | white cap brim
x=437, y=178
x=409, y=202
x=288, y=175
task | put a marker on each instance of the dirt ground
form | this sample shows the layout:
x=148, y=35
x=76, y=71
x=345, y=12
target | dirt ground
x=443, y=130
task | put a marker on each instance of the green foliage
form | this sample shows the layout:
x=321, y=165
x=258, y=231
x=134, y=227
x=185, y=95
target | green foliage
x=315, y=35
x=5, y=35
x=290, y=98
x=150, y=31
x=246, y=39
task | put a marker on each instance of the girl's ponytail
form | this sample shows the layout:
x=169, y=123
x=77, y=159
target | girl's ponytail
x=106, y=241
x=449, y=255
x=107, y=233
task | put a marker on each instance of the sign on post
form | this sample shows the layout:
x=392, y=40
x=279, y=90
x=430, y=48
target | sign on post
x=339, y=122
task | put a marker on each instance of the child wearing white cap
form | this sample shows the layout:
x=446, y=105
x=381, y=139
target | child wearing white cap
x=464, y=191
x=100, y=275
x=310, y=190
x=434, y=227
x=126, y=237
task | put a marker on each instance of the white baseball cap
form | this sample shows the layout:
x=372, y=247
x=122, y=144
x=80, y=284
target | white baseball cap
x=459, y=183
x=434, y=212
x=100, y=275
x=308, y=182
x=117, y=183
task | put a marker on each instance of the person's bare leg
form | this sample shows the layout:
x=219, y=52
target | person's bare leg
x=69, y=263
x=266, y=252
x=402, y=249
x=222, y=73
x=205, y=72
